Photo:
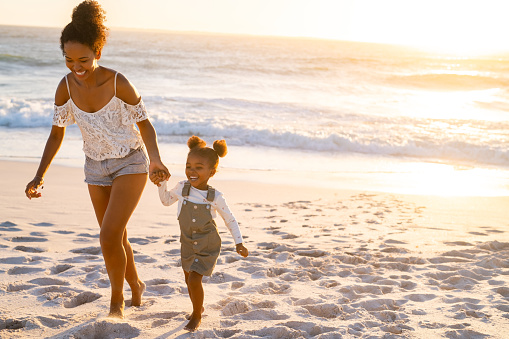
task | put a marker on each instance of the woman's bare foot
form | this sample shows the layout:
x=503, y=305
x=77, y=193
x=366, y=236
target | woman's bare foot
x=117, y=309
x=193, y=323
x=137, y=294
x=188, y=316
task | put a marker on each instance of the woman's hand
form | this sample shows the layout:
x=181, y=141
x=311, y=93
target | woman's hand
x=31, y=189
x=242, y=250
x=158, y=172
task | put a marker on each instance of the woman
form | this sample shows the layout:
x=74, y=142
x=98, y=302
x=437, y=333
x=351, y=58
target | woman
x=106, y=107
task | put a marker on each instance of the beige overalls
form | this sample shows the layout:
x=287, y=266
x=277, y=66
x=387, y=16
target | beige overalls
x=199, y=238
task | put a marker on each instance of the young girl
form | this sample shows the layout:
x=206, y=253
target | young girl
x=198, y=202
x=107, y=109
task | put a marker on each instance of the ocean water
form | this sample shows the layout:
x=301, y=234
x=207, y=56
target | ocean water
x=348, y=114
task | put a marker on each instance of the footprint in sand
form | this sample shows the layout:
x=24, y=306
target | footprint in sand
x=60, y=268
x=420, y=297
x=503, y=291
x=81, y=299
x=380, y=304
x=272, y=288
x=14, y=260
x=311, y=253
x=85, y=237
x=63, y=232
x=53, y=289
x=87, y=250
x=458, y=243
x=478, y=233
x=51, y=322
x=311, y=328
x=465, y=334
x=19, y=286
x=159, y=315
x=144, y=259
x=48, y=281
x=105, y=329
x=39, y=234
x=278, y=332
x=159, y=286
x=458, y=282
x=23, y=270
x=220, y=277
x=9, y=227
x=139, y=241
x=88, y=235
x=12, y=324
x=28, y=239
x=263, y=315
x=43, y=224
x=235, y=307
x=328, y=311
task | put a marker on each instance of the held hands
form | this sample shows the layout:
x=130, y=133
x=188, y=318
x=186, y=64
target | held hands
x=242, y=250
x=31, y=189
x=158, y=172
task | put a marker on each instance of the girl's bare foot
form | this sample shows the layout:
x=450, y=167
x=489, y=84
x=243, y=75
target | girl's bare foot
x=137, y=294
x=117, y=309
x=193, y=323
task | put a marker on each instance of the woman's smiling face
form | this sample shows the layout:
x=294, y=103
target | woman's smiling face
x=198, y=171
x=80, y=59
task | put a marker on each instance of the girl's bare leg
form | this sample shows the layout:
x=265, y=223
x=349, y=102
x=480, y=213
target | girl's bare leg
x=195, y=287
x=189, y=291
x=114, y=206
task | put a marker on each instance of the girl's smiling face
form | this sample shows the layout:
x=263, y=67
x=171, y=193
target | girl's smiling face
x=198, y=171
x=80, y=59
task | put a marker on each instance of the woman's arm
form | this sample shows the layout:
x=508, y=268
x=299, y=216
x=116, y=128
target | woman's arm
x=53, y=144
x=128, y=93
x=50, y=150
x=157, y=171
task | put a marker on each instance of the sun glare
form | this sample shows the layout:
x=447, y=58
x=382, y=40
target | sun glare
x=453, y=26
x=447, y=180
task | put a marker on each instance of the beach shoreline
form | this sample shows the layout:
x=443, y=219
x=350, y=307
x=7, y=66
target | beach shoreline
x=324, y=263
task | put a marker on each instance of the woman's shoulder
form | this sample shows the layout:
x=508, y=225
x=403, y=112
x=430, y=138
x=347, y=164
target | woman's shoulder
x=62, y=92
x=126, y=90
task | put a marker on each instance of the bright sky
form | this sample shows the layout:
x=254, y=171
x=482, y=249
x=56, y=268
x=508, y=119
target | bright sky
x=454, y=25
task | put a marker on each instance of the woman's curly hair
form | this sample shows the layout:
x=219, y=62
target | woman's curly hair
x=87, y=26
x=198, y=146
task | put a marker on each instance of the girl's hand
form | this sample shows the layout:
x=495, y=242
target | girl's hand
x=158, y=172
x=31, y=189
x=242, y=250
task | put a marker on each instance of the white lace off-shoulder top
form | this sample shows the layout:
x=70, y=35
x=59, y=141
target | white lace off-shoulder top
x=108, y=133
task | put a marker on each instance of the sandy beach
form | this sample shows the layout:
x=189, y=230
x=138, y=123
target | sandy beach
x=324, y=263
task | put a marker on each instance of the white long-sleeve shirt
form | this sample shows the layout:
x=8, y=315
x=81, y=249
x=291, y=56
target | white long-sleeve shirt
x=169, y=197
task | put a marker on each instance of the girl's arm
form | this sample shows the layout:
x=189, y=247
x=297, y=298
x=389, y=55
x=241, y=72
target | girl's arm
x=168, y=197
x=128, y=93
x=231, y=223
x=228, y=217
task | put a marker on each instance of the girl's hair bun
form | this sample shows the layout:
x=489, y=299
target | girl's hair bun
x=195, y=141
x=220, y=147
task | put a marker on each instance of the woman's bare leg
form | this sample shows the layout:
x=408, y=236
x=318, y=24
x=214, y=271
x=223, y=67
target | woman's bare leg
x=114, y=206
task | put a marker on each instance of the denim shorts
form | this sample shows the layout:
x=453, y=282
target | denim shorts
x=102, y=173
